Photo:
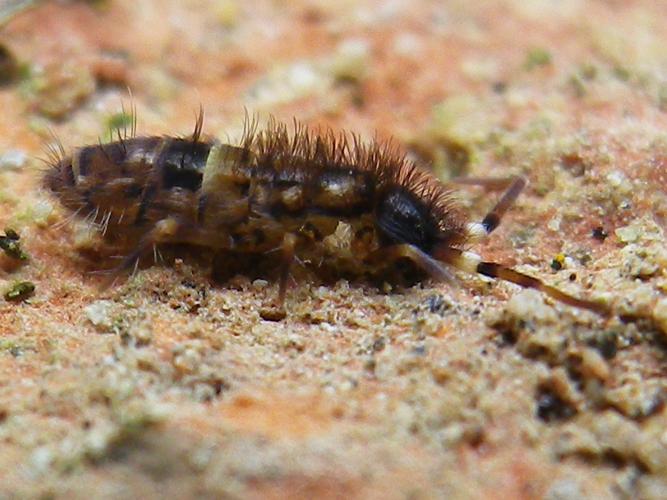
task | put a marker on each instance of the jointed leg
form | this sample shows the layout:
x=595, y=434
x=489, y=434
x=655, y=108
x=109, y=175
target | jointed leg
x=490, y=183
x=167, y=230
x=387, y=255
x=287, y=248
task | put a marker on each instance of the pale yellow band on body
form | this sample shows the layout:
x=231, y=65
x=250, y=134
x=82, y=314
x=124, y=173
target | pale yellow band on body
x=468, y=262
x=476, y=232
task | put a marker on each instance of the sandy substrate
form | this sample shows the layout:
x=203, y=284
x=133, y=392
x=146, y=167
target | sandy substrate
x=171, y=383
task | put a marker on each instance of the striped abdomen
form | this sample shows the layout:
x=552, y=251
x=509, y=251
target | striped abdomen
x=226, y=190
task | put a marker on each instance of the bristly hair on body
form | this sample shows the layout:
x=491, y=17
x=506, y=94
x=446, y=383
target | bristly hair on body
x=262, y=194
x=325, y=150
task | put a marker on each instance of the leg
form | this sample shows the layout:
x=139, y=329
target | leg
x=287, y=248
x=472, y=263
x=489, y=183
x=164, y=231
x=513, y=187
x=386, y=255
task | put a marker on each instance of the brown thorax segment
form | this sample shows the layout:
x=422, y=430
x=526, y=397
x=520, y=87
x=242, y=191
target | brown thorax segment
x=233, y=173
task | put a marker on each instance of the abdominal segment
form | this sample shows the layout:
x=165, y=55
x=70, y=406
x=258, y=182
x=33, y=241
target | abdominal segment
x=220, y=195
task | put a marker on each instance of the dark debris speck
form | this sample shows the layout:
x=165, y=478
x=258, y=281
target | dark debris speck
x=9, y=68
x=606, y=344
x=499, y=87
x=574, y=163
x=379, y=344
x=599, y=233
x=437, y=304
x=550, y=407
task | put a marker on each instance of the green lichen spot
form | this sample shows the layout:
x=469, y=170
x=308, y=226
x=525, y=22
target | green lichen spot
x=119, y=123
x=537, y=57
x=20, y=291
x=9, y=243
